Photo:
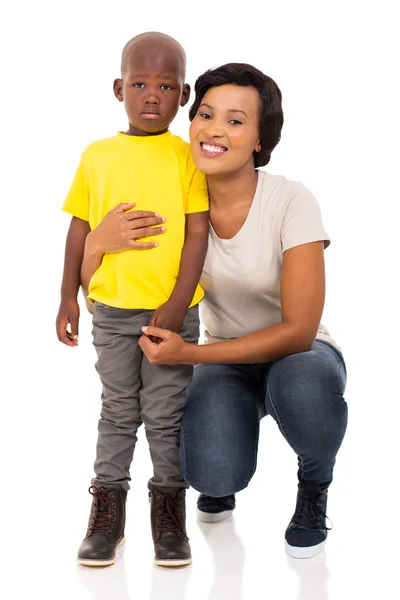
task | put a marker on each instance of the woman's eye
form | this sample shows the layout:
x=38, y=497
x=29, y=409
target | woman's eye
x=166, y=87
x=235, y=122
x=205, y=115
x=139, y=85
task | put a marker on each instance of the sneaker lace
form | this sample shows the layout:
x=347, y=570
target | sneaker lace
x=100, y=519
x=168, y=512
x=309, y=512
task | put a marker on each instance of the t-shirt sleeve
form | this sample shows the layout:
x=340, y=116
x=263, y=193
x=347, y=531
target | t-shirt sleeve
x=302, y=221
x=197, y=195
x=77, y=200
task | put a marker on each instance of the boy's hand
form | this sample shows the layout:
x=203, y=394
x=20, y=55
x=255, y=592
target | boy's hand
x=68, y=314
x=168, y=316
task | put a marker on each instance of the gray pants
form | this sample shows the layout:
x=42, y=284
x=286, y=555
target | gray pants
x=136, y=392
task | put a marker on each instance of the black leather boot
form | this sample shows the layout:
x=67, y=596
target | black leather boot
x=105, y=533
x=168, y=526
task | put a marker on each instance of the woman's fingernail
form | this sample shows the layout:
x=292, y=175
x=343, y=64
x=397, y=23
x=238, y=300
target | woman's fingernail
x=163, y=219
x=156, y=214
x=155, y=244
x=163, y=228
x=145, y=328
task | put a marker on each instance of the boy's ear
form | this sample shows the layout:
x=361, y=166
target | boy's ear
x=185, y=94
x=118, y=90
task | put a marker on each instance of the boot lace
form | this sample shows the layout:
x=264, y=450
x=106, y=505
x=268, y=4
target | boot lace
x=168, y=515
x=103, y=509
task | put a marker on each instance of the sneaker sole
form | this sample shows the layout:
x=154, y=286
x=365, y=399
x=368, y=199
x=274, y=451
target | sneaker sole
x=100, y=563
x=206, y=517
x=308, y=552
x=173, y=563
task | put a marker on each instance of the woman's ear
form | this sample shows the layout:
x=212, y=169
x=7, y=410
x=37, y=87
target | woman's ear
x=258, y=146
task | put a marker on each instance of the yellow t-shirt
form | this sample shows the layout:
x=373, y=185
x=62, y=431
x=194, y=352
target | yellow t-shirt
x=158, y=174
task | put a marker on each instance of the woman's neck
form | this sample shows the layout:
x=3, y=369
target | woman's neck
x=233, y=189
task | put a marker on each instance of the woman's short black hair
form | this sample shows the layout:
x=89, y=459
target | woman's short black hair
x=271, y=115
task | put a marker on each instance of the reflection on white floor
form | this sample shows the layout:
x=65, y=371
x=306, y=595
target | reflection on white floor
x=242, y=558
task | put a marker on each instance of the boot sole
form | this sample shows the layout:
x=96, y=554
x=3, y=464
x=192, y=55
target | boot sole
x=308, y=552
x=181, y=562
x=207, y=517
x=87, y=562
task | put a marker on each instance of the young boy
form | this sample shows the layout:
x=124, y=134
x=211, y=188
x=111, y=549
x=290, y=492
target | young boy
x=149, y=166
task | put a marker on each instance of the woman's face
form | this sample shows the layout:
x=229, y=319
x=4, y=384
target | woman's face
x=225, y=130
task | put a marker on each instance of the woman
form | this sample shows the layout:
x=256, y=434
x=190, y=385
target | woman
x=266, y=351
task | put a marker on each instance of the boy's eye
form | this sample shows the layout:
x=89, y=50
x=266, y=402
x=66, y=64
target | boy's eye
x=139, y=85
x=205, y=115
x=166, y=87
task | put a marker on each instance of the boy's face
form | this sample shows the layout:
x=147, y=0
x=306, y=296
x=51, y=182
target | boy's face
x=152, y=87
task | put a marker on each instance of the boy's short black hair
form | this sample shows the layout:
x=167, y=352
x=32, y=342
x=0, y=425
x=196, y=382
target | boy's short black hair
x=271, y=114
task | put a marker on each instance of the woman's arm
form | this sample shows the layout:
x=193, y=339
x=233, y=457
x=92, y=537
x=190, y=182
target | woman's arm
x=118, y=231
x=302, y=301
x=92, y=257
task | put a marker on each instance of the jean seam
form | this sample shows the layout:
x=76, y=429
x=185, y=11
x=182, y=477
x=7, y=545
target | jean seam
x=255, y=452
x=282, y=429
x=256, y=373
x=257, y=436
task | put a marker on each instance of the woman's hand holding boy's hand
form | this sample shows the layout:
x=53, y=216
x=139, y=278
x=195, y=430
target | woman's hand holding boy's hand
x=168, y=316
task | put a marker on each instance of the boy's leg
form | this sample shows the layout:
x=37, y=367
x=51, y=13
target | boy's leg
x=115, y=336
x=162, y=400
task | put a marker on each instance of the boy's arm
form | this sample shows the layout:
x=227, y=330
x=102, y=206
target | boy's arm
x=68, y=313
x=172, y=313
x=192, y=260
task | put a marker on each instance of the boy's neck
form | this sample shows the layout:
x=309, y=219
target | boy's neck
x=233, y=189
x=132, y=130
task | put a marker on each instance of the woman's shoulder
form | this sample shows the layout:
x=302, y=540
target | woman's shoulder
x=280, y=186
x=278, y=194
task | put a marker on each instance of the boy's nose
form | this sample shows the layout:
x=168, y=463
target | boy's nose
x=152, y=99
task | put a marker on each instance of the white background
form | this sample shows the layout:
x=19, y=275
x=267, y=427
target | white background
x=335, y=63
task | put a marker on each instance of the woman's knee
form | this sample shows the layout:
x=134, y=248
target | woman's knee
x=218, y=480
x=217, y=465
x=219, y=432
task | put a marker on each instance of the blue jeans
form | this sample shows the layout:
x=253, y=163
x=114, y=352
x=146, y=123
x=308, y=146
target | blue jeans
x=219, y=432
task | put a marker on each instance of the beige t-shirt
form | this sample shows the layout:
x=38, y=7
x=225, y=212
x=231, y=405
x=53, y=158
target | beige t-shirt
x=241, y=276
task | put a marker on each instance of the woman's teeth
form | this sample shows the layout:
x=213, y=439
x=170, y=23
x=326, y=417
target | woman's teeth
x=213, y=149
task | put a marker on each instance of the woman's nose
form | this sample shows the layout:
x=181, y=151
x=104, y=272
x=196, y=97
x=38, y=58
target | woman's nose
x=213, y=129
